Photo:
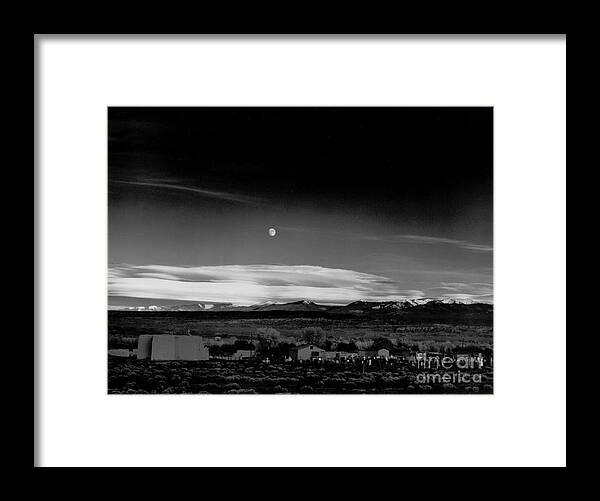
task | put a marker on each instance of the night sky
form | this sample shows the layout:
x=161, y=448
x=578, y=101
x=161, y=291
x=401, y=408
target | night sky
x=368, y=203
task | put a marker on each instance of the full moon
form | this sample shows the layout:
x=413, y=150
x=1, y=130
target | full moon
x=272, y=232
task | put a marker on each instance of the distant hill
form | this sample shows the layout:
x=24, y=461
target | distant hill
x=425, y=307
x=295, y=306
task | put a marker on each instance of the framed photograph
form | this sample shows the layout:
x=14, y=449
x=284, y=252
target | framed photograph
x=259, y=237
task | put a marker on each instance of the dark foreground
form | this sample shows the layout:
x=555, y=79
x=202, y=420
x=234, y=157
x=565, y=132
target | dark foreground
x=447, y=331
x=133, y=376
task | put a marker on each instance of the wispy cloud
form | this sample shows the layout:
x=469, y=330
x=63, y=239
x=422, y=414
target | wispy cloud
x=399, y=239
x=221, y=195
x=253, y=284
x=426, y=240
x=478, y=291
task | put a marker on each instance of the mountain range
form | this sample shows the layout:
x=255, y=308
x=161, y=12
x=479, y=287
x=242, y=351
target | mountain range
x=356, y=307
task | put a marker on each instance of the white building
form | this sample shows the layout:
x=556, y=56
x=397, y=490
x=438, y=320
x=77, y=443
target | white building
x=120, y=352
x=242, y=354
x=382, y=353
x=144, y=349
x=346, y=355
x=167, y=347
x=306, y=352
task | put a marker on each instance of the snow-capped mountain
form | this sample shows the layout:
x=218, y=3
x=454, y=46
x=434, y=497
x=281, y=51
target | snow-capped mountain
x=356, y=307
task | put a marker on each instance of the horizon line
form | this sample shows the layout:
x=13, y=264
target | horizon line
x=226, y=303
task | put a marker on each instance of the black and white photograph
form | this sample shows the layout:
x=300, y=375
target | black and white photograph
x=300, y=250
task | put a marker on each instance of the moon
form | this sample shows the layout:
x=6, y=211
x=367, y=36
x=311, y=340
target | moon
x=272, y=232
